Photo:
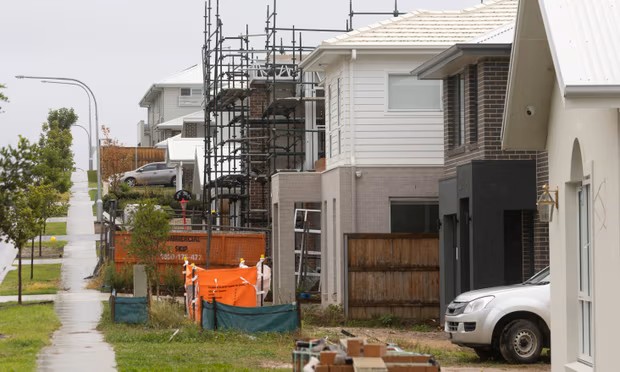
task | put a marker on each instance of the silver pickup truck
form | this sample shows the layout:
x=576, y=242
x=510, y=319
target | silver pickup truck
x=510, y=322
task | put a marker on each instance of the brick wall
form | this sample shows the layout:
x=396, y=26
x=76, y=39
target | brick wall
x=485, y=93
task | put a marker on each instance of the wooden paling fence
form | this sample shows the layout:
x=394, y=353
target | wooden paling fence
x=129, y=158
x=392, y=274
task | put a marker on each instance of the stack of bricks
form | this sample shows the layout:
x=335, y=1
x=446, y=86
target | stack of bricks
x=368, y=357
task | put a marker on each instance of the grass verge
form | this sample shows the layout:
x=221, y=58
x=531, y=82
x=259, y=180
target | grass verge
x=49, y=249
x=24, y=331
x=56, y=228
x=146, y=348
x=93, y=195
x=45, y=281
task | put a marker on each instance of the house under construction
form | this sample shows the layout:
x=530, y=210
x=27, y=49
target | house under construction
x=263, y=115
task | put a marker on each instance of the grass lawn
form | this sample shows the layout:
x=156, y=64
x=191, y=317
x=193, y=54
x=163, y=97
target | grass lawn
x=24, y=330
x=140, y=348
x=46, y=280
x=92, y=194
x=56, y=228
x=49, y=249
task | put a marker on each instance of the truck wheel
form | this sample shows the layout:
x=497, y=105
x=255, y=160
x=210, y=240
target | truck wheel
x=521, y=342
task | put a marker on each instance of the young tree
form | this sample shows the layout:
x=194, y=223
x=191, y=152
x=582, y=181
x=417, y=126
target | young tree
x=114, y=161
x=150, y=227
x=17, y=218
x=56, y=159
x=44, y=201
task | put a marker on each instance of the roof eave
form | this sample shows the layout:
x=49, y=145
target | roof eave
x=316, y=60
x=149, y=95
x=452, y=60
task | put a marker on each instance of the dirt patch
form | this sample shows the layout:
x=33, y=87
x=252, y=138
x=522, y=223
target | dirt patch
x=436, y=342
x=46, y=252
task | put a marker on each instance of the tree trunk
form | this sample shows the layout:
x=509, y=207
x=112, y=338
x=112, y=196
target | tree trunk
x=32, y=260
x=19, y=275
x=40, y=244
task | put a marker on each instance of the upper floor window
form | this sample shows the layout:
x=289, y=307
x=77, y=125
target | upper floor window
x=458, y=109
x=473, y=104
x=187, y=92
x=406, y=92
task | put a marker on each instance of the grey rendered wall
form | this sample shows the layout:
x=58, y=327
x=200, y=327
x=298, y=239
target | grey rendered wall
x=357, y=200
x=286, y=189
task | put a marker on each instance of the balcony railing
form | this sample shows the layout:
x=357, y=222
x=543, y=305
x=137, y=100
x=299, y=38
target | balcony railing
x=190, y=100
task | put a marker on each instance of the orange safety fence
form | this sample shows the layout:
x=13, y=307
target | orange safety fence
x=227, y=248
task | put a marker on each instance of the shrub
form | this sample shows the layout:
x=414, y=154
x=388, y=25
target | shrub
x=121, y=280
x=166, y=314
x=172, y=281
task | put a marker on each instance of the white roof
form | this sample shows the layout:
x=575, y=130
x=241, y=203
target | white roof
x=571, y=44
x=189, y=77
x=501, y=35
x=182, y=149
x=164, y=144
x=424, y=28
x=225, y=166
x=584, y=39
x=177, y=123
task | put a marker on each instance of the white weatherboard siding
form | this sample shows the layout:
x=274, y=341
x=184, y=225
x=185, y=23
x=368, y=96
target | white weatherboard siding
x=337, y=133
x=383, y=137
x=171, y=108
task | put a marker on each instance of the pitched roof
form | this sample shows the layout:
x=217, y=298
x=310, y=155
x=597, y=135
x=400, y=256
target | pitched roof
x=191, y=76
x=584, y=39
x=424, y=28
x=571, y=44
x=495, y=43
x=177, y=123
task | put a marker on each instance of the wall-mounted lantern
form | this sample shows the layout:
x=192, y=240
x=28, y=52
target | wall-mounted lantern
x=546, y=203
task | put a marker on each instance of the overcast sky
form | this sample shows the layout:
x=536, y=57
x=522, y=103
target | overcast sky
x=120, y=47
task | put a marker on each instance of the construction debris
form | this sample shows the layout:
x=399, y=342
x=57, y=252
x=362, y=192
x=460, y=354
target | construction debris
x=356, y=354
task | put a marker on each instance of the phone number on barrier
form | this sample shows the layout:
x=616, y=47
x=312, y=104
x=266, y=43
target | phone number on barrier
x=180, y=257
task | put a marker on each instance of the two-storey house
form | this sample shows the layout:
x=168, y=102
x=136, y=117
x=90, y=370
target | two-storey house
x=175, y=96
x=384, y=138
x=490, y=233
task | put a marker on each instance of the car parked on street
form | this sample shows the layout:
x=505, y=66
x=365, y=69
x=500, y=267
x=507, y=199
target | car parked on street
x=151, y=174
x=511, y=322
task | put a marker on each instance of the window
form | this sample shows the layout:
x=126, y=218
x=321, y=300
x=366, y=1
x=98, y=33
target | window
x=458, y=103
x=584, y=295
x=188, y=92
x=473, y=106
x=413, y=217
x=406, y=92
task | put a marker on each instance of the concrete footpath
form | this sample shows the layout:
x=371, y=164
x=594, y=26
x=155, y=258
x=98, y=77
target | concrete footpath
x=77, y=345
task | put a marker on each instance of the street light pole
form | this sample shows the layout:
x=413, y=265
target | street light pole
x=88, y=134
x=99, y=201
x=90, y=124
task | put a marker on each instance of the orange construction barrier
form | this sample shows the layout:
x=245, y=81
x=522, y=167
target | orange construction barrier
x=228, y=286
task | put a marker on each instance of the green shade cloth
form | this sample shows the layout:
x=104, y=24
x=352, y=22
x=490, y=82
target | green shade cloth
x=277, y=318
x=132, y=310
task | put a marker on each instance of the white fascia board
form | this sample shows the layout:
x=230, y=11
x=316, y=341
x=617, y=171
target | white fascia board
x=313, y=61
